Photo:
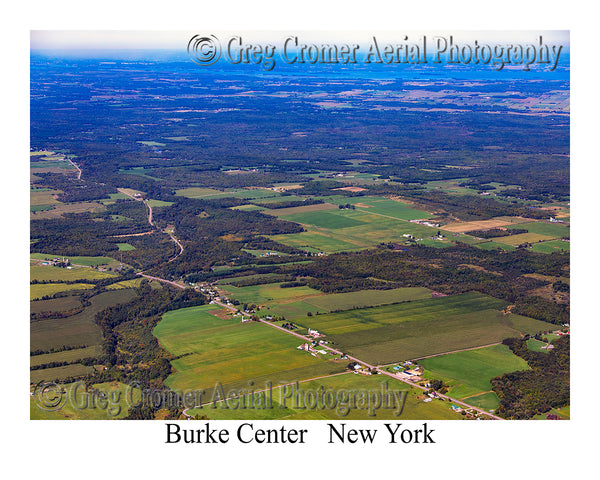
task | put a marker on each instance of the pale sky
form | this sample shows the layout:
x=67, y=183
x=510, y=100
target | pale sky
x=139, y=39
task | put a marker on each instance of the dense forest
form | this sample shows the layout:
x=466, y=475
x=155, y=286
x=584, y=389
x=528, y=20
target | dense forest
x=527, y=393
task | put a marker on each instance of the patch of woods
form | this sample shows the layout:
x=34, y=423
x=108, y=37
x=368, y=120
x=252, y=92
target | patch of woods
x=439, y=269
x=527, y=393
x=496, y=232
x=130, y=351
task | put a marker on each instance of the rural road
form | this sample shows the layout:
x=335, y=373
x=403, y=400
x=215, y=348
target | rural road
x=77, y=167
x=151, y=222
x=378, y=368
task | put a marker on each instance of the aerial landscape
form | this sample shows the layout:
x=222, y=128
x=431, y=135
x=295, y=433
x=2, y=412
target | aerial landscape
x=224, y=242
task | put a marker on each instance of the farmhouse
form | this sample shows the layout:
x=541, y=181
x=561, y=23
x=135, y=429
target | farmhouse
x=314, y=333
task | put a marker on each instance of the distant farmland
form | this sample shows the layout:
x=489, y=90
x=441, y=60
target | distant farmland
x=388, y=334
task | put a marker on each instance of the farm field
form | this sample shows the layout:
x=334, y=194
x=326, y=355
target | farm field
x=349, y=230
x=249, y=208
x=43, y=197
x=232, y=353
x=387, y=334
x=317, y=207
x=346, y=301
x=461, y=227
x=78, y=329
x=197, y=192
x=414, y=408
x=551, y=246
x=159, y=203
x=260, y=294
x=470, y=372
x=76, y=260
x=40, y=290
x=521, y=238
x=58, y=274
x=60, y=209
x=61, y=304
x=66, y=356
x=56, y=373
x=113, y=197
x=125, y=247
x=380, y=206
x=324, y=219
x=554, y=230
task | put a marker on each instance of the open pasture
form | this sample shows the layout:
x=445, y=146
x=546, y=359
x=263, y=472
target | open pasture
x=76, y=260
x=347, y=301
x=43, y=197
x=472, y=370
x=41, y=290
x=554, y=230
x=351, y=230
x=213, y=349
x=58, y=274
x=66, y=356
x=521, y=238
x=461, y=227
x=60, y=209
x=271, y=292
x=551, y=246
x=317, y=207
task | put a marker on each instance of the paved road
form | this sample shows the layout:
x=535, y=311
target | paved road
x=163, y=280
x=385, y=372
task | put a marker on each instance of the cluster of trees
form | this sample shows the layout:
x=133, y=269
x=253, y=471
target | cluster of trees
x=526, y=393
x=499, y=274
x=496, y=232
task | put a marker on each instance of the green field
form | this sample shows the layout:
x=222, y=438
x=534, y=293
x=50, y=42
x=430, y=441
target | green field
x=197, y=192
x=284, y=408
x=85, y=261
x=214, y=350
x=551, y=246
x=387, y=334
x=338, y=230
x=78, y=329
x=521, y=238
x=554, y=230
x=346, y=301
x=41, y=290
x=470, y=372
x=324, y=219
x=57, y=373
x=159, y=203
x=55, y=304
x=249, y=208
x=271, y=292
x=66, y=356
x=125, y=247
x=58, y=274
